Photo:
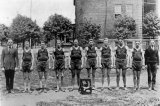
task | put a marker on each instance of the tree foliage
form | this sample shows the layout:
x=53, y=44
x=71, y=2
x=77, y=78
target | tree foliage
x=57, y=27
x=23, y=28
x=124, y=27
x=88, y=30
x=4, y=32
x=151, y=25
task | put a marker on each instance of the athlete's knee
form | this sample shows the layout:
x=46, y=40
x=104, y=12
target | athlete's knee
x=103, y=75
x=24, y=78
x=108, y=75
x=93, y=74
x=118, y=73
x=57, y=76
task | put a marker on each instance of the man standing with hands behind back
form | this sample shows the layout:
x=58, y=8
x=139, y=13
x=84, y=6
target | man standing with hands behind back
x=9, y=64
x=151, y=61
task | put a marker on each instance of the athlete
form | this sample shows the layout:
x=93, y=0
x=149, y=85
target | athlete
x=121, y=62
x=27, y=66
x=136, y=64
x=43, y=66
x=106, y=62
x=75, y=62
x=59, y=65
x=91, y=62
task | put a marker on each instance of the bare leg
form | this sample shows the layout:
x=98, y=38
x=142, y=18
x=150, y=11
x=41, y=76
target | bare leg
x=93, y=77
x=138, y=78
x=103, y=75
x=108, y=77
x=25, y=81
x=73, y=79
x=45, y=81
x=61, y=83
x=118, y=77
x=40, y=80
x=57, y=80
x=29, y=82
x=88, y=72
x=124, y=77
x=134, y=79
x=78, y=77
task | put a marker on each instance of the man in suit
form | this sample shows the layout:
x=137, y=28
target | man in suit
x=9, y=63
x=151, y=61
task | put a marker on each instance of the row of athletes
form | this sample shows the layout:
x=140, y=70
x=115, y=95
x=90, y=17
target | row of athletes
x=76, y=63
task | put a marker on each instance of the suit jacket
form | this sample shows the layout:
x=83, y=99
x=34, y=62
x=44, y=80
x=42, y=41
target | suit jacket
x=151, y=56
x=9, y=58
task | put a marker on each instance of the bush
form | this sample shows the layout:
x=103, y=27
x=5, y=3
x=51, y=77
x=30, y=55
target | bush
x=124, y=27
x=151, y=25
x=88, y=30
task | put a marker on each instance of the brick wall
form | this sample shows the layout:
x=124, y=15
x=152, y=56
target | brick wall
x=102, y=12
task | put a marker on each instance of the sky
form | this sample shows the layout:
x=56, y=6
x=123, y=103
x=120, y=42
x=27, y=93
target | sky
x=41, y=10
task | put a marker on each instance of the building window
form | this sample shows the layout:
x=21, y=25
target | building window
x=117, y=10
x=129, y=10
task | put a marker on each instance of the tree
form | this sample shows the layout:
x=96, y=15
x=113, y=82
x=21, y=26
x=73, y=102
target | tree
x=124, y=27
x=4, y=33
x=56, y=27
x=88, y=30
x=23, y=28
x=151, y=25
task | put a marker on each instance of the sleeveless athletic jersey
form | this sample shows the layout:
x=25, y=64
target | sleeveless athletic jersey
x=59, y=54
x=106, y=52
x=27, y=56
x=42, y=55
x=76, y=53
x=121, y=52
x=91, y=53
x=137, y=55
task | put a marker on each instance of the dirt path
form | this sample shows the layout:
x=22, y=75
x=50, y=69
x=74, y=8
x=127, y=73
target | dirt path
x=106, y=97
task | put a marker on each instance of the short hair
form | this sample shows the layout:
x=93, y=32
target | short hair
x=26, y=41
x=105, y=39
x=152, y=40
x=90, y=40
x=76, y=40
x=58, y=41
x=42, y=42
x=138, y=42
x=10, y=39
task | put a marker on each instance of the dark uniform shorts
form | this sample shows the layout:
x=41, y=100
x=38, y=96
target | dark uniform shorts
x=42, y=66
x=137, y=65
x=91, y=63
x=59, y=65
x=26, y=66
x=76, y=64
x=106, y=63
x=121, y=64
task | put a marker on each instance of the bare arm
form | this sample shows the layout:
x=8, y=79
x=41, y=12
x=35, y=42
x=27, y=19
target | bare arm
x=157, y=58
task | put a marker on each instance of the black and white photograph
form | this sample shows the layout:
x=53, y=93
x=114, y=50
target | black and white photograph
x=79, y=52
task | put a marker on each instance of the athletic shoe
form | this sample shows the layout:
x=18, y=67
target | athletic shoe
x=149, y=89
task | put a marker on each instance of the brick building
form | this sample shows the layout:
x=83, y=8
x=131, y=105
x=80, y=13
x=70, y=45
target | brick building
x=104, y=12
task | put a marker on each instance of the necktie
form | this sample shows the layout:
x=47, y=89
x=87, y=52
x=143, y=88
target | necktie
x=10, y=49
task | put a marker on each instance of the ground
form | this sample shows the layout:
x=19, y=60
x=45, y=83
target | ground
x=143, y=97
